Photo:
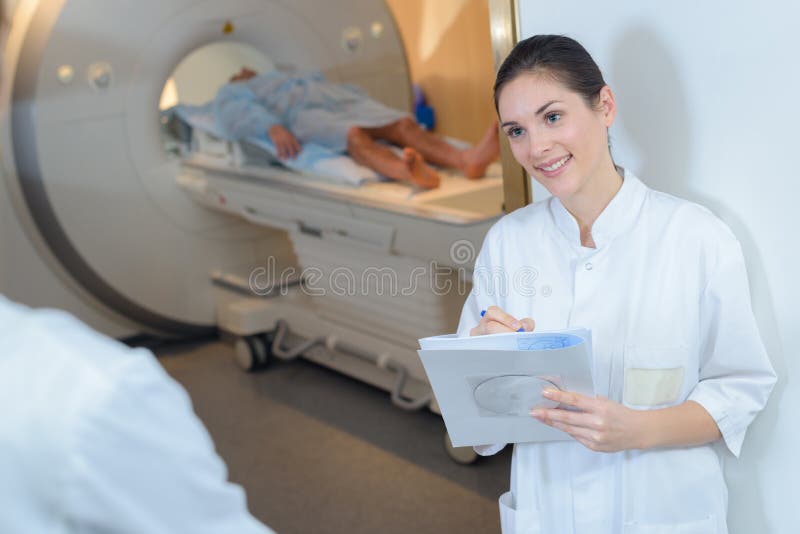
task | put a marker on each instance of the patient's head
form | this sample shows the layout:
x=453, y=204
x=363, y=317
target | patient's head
x=244, y=74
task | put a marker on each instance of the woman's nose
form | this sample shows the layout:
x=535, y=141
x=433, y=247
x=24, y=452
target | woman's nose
x=540, y=144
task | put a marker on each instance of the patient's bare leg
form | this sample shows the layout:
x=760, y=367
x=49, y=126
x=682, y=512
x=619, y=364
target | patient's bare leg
x=411, y=167
x=472, y=161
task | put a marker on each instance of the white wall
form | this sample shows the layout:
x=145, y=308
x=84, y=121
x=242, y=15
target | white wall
x=710, y=111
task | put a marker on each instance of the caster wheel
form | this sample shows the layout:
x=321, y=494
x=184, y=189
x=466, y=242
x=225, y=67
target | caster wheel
x=460, y=455
x=251, y=353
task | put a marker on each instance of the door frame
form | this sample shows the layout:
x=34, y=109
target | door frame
x=505, y=31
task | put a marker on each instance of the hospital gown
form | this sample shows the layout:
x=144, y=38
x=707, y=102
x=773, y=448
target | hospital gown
x=313, y=109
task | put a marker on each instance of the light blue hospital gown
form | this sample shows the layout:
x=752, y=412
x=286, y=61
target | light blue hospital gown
x=313, y=109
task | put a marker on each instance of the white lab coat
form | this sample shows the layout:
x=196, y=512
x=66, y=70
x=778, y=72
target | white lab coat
x=665, y=294
x=96, y=437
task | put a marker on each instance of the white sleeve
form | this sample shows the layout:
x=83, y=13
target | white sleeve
x=736, y=376
x=144, y=462
x=471, y=311
x=479, y=299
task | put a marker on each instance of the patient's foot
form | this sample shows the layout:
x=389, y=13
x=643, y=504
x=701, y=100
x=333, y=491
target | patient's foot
x=419, y=172
x=477, y=158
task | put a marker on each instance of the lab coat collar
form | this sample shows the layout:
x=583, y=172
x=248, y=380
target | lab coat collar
x=614, y=220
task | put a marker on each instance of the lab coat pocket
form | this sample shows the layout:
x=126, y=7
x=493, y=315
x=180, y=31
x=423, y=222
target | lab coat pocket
x=707, y=525
x=654, y=376
x=514, y=521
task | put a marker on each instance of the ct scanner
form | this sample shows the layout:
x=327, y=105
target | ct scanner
x=172, y=245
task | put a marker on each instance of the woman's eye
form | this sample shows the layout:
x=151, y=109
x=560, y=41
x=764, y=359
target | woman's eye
x=552, y=118
x=514, y=131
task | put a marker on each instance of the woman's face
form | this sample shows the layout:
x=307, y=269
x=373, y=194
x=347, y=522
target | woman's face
x=554, y=134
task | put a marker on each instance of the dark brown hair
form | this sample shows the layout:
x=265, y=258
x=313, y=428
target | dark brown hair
x=561, y=57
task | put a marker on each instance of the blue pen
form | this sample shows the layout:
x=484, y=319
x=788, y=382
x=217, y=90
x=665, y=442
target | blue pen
x=483, y=312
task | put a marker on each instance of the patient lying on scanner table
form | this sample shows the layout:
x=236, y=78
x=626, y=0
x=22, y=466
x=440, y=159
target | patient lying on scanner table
x=302, y=108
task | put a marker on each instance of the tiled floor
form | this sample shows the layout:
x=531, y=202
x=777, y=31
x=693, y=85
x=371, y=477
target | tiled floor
x=318, y=452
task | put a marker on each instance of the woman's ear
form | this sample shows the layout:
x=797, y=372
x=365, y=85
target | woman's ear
x=607, y=105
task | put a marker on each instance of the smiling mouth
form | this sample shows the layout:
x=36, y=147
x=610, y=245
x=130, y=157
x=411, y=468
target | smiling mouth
x=557, y=165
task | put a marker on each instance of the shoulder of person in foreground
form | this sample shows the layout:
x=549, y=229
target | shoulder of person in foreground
x=104, y=439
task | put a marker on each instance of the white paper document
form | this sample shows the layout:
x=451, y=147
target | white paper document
x=486, y=386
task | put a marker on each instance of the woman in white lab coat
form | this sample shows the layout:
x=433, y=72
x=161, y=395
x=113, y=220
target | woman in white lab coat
x=679, y=368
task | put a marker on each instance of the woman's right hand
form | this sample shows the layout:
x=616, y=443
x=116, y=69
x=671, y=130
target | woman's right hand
x=496, y=321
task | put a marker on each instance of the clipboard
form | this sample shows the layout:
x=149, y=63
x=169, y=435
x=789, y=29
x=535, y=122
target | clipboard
x=486, y=385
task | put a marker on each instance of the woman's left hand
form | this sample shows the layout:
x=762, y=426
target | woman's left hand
x=600, y=424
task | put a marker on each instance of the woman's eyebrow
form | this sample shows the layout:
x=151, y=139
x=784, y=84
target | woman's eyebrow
x=543, y=108
x=538, y=112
